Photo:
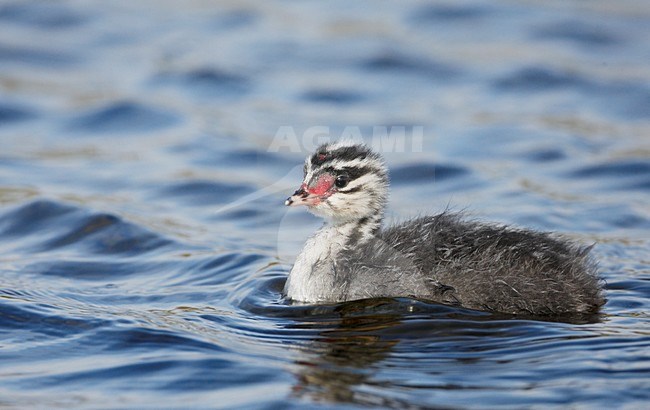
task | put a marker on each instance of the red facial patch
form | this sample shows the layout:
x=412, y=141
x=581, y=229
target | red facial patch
x=321, y=157
x=322, y=185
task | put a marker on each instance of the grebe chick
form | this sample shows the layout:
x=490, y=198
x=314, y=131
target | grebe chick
x=440, y=258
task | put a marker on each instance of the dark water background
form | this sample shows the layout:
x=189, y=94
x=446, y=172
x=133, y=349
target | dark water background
x=143, y=241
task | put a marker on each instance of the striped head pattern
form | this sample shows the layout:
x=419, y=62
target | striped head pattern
x=343, y=182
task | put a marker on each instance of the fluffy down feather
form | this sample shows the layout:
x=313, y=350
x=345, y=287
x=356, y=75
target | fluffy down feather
x=444, y=258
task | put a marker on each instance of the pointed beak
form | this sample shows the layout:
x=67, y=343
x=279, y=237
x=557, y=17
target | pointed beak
x=302, y=197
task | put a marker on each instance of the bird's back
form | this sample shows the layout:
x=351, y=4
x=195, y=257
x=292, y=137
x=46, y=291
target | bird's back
x=491, y=267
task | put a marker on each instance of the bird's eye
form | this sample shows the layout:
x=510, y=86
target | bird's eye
x=341, y=181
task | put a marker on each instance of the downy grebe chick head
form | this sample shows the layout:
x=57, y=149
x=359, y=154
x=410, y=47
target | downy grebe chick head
x=343, y=182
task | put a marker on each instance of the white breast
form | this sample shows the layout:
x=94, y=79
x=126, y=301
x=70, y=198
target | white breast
x=311, y=279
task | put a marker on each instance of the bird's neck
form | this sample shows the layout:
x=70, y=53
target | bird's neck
x=354, y=232
x=312, y=277
x=337, y=236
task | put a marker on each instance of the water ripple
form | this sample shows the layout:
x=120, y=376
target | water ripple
x=42, y=15
x=123, y=117
x=44, y=225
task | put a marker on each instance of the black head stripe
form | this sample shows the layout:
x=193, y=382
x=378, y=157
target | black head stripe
x=320, y=157
x=350, y=153
x=323, y=155
x=354, y=172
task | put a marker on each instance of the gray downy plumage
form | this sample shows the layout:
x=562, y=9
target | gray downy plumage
x=444, y=258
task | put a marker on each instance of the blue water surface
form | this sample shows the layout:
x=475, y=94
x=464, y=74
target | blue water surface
x=145, y=155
